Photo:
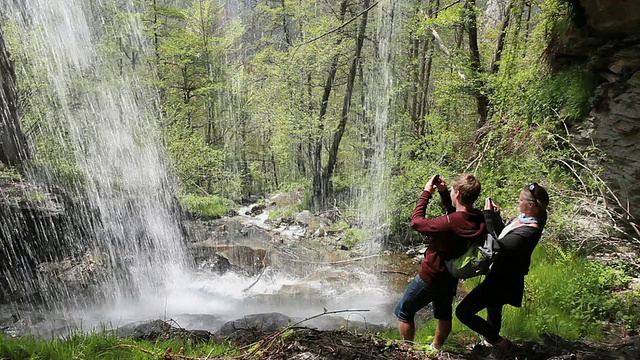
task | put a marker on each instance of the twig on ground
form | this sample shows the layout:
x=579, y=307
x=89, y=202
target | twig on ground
x=338, y=262
x=394, y=272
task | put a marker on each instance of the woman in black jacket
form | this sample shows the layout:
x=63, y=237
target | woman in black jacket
x=504, y=284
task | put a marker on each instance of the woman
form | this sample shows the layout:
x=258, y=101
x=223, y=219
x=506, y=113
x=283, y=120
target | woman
x=504, y=284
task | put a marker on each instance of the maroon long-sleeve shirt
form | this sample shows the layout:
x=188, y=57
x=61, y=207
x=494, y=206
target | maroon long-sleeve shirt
x=450, y=234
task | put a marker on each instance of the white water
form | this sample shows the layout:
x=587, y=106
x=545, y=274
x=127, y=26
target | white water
x=106, y=115
x=374, y=204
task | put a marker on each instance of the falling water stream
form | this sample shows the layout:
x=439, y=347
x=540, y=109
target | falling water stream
x=374, y=204
x=107, y=119
x=107, y=115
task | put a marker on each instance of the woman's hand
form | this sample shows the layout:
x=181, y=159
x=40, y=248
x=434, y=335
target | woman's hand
x=490, y=205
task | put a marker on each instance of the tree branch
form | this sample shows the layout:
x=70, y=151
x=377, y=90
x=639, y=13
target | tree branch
x=444, y=49
x=339, y=27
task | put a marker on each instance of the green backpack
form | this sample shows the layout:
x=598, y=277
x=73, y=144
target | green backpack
x=476, y=260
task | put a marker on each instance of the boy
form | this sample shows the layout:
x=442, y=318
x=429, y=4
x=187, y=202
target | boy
x=449, y=235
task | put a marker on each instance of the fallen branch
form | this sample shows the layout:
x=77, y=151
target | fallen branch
x=394, y=272
x=337, y=262
x=444, y=49
x=255, y=282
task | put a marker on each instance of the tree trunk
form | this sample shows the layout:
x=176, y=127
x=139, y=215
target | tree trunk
x=482, y=101
x=425, y=77
x=497, y=54
x=346, y=104
x=319, y=190
x=14, y=149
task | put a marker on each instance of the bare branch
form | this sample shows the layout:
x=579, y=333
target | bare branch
x=444, y=49
x=339, y=27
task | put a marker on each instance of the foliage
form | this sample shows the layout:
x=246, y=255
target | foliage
x=206, y=207
x=565, y=294
x=8, y=174
x=278, y=215
x=573, y=296
x=354, y=236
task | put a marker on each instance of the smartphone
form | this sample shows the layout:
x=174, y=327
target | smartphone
x=436, y=179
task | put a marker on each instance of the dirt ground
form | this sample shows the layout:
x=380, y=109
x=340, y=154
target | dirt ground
x=308, y=344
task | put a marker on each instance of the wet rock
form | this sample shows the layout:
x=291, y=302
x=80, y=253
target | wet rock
x=412, y=252
x=294, y=232
x=252, y=326
x=143, y=330
x=17, y=323
x=286, y=199
x=320, y=232
x=304, y=217
x=221, y=257
x=215, y=263
x=608, y=17
x=257, y=209
x=162, y=330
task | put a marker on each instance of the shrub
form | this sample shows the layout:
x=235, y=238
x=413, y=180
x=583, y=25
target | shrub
x=571, y=296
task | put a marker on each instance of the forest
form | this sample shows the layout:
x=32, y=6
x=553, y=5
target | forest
x=353, y=103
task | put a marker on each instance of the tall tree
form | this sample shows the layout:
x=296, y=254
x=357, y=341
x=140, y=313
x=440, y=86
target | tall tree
x=346, y=105
x=320, y=184
x=14, y=149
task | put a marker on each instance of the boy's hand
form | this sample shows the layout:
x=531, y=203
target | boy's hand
x=432, y=185
x=441, y=185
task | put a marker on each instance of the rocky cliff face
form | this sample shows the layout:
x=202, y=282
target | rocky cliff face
x=607, y=38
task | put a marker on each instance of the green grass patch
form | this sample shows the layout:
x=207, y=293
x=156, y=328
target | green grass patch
x=565, y=294
x=353, y=236
x=103, y=346
x=206, y=207
x=280, y=214
x=571, y=296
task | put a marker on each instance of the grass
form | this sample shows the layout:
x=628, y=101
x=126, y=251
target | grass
x=102, y=346
x=206, y=207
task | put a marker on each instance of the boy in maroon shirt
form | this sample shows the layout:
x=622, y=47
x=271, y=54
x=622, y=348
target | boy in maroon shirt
x=450, y=234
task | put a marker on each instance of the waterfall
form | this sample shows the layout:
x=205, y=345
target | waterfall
x=373, y=204
x=94, y=112
x=103, y=112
